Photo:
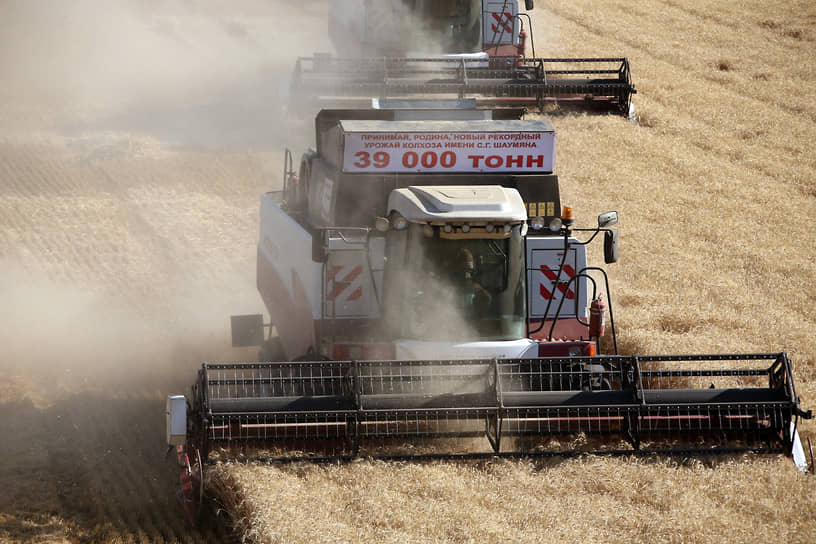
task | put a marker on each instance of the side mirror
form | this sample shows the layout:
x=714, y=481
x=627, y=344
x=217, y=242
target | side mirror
x=529, y=4
x=607, y=219
x=319, y=254
x=247, y=330
x=611, y=246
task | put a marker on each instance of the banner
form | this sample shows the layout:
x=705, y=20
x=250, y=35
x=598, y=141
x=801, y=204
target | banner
x=439, y=152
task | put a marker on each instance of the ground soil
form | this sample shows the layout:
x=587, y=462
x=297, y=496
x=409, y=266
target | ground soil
x=134, y=142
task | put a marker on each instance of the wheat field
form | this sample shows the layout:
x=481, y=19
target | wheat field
x=716, y=189
x=134, y=142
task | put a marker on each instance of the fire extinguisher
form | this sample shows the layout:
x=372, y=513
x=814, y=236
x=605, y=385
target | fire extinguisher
x=522, y=44
x=597, y=318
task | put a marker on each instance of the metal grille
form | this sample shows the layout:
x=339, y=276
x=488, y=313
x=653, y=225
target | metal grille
x=709, y=372
x=688, y=403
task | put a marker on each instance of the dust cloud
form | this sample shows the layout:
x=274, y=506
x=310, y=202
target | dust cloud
x=398, y=28
x=60, y=339
x=189, y=72
x=119, y=269
x=188, y=76
x=360, y=28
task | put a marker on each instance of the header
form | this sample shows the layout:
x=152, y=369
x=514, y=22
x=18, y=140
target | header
x=436, y=152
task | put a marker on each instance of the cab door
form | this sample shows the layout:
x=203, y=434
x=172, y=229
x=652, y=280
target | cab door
x=544, y=256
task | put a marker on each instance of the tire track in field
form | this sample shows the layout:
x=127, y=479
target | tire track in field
x=145, y=468
x=58, y=215
x=111, y=474
x=62, y=227
x=105, y=457
x=17, y=181
x=127, y=483
x=42, y=170
x=94, y=221
x=162, y=255
x=70, y=239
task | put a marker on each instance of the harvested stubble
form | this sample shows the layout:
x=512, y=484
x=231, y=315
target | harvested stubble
x=717, y=193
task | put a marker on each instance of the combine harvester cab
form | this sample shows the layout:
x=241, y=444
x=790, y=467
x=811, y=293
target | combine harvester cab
x=433, y=299
x=392, y=28
x=409, y=49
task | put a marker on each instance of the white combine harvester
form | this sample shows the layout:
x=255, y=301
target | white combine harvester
x=424, y=284
x=450, y=49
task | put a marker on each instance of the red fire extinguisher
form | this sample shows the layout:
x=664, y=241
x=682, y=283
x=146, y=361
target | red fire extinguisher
x=597, y=317
x=522, y=43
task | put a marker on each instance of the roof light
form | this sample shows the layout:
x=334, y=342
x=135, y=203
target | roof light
x=555, y=224
x=447, y=228
x=465, y=228
x=489, y=227
x=400, y=222
x=567, y=215
x=507, y=228
x=428, y=231
x=537, y=223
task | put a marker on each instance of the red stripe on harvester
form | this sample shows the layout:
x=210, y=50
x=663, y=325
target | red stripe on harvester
x=550, y=275
x=333, y=272
x=356, y=271
x=356, y=295
x=345, y=282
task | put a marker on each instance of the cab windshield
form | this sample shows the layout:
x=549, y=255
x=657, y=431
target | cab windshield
x=454, y=290
x=447, y=26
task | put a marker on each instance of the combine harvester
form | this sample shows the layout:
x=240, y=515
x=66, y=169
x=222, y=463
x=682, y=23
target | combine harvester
x=430, y=297
x=425, y=283
x=451, y=49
